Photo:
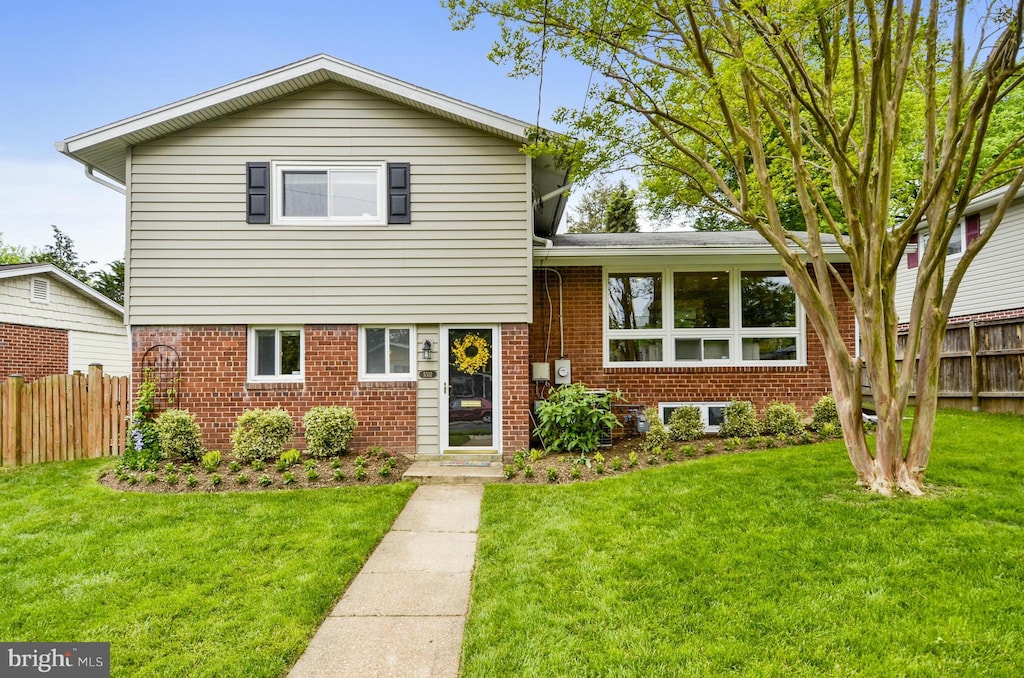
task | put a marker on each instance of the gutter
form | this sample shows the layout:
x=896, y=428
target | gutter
x=62, y=147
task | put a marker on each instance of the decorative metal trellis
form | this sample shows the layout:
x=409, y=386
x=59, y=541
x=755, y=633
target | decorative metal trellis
x=161, y=364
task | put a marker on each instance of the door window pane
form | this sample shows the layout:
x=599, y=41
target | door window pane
x=634, y=301
x=305, y=194
x=701, y=299
x=768, y=300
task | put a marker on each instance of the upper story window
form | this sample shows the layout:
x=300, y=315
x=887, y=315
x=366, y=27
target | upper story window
x=276, y=354
x=387, y=353
x=957, y=241
x=719, y=316
x=326, y=194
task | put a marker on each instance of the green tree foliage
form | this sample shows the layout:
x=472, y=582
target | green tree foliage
x=61, y=253
x=12, y=254
x=861, y=119
x=588, y=216
x=110, y=283
x=620, y=213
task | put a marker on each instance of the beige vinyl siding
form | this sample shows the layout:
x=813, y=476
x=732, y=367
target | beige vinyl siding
x=109, y=350
x=68, y=309
x=464, y=258
x=428, y=393
x=995, y=280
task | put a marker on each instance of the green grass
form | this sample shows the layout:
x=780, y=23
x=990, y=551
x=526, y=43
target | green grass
x=180, y=585
x=767, y=563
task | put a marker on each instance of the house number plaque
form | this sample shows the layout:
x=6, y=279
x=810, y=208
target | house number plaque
x=428, y=374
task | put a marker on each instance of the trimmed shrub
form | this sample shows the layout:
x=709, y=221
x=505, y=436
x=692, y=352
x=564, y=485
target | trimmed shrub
x=573, y=418
x=825, y=412
x=685, y=423
x=179, y=435
x=740, y=420
x=262, y=434
x=329, y=430
x=657, y=436
x=782, y=419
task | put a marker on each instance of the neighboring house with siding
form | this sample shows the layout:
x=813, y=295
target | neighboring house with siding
x=323, y=234
x=52, y=323
x=993, y=288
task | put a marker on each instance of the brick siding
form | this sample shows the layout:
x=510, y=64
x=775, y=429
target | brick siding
x=582, y=295
x=1006, y=314
x=32, y=352
x=213, y=361
x=515, y=385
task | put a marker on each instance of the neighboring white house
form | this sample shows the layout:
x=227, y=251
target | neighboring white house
x=994, y=285
x=52, y=323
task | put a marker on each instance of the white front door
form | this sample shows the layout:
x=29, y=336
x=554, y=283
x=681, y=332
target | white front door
x=470, y=389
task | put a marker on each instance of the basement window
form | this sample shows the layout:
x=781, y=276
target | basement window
x=276, y=354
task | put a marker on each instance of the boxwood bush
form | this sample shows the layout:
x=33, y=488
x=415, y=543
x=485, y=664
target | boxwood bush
x=179, y=435
x=658, y=436
x=329, y=430
x=825, y=412
x=262, y=434
x=782, y=419
x=740, y=420
x=685, y=423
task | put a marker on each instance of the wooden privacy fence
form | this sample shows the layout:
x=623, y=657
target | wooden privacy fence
x=63, y=416
x=982, y=366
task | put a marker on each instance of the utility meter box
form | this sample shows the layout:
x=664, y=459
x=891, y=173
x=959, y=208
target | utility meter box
x=563, y=371
x=540, y=371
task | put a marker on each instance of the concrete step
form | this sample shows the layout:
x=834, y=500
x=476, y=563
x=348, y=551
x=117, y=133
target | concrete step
x=460, y=456
x=434, y=473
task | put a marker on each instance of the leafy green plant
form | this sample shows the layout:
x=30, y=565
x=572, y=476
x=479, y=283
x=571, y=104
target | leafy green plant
x=384, y=471
x=536, y=455
x=143, y=442
x=258, y=465
x=709, y=448
x=806, y=438
x=169, y=467
x=328, y=430
x=657, y=435
x=830, y=430
x=262, y=434
x=740, y=420
x=360, y=461
x=234, y=466
x=132, y=479
x=519, y=459
x=528, y=471
x=312, y=474
x=634, y=459
x=617, y=464
x=599, y=468
x=573, y=418
x=733, y=444
x=669, y=454
x=281, y=465
x=338, y=475
x=309, y=464
x=335, y=463
x=552, y=474
x=770, y=443
x=652, y=459
x=360, y=473
x=171, y=478
x=191, y=480
x=685, y=423
x=151, y=477
x=215, y=480
x=575, y=473
x=210, y=461
x=782, y=419
x=287, y=477
x=179, y=435
x=755, y=442
x=688, y=450
x=824, y=412
x=290, y=457
x=264, y=480
x=187, y=468
x=241, y=479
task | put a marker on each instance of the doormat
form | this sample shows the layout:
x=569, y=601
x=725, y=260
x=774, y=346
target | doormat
x=465, y=463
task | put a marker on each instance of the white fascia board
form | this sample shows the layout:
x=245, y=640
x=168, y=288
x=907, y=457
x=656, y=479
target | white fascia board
x=344, y=71
x=50, y=269
x=586, y=255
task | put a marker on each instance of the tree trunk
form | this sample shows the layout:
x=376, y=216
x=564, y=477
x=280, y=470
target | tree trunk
x=926, y=398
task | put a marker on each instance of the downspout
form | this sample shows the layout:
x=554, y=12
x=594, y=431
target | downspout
x=103, y=182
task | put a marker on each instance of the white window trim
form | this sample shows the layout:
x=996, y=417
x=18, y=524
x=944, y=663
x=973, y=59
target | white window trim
x=668, y=333
x=276, y=378
x=413, y=354
x=32, y=290
x=924, y=234
x=278, y=168
x=705, y=416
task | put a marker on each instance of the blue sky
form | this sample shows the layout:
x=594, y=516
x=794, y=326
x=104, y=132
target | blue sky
x=70, y=67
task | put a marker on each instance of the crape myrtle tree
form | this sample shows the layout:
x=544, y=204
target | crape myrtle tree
x=862, y=119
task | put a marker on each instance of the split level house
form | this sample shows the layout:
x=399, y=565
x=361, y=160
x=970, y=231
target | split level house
x=52, y=323
x=322, y=234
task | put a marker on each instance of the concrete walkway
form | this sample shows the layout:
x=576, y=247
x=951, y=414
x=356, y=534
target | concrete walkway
x=404, y=613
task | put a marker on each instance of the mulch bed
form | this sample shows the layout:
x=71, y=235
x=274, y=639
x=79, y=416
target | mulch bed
x=246, y=479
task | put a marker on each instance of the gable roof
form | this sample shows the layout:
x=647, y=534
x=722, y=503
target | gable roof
x=22, y=270
x=105, y=148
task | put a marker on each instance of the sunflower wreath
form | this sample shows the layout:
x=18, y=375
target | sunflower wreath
x=471, y=353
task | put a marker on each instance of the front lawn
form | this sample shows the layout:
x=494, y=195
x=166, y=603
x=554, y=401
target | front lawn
x=763, y=563
x=230, y=584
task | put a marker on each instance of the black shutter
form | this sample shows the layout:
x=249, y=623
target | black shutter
x=257, y=200
x=399, y=208
x=973, y=223
x=913, y=256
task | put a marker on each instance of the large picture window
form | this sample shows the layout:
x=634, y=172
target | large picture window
x=314, y=194
x=729, y=315
x=387, y=353
x=276, y=354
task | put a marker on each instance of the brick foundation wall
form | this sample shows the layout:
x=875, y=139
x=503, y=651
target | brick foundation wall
x=583, y=300
x=32, y=352
x=515, y=385
x=213, y=384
